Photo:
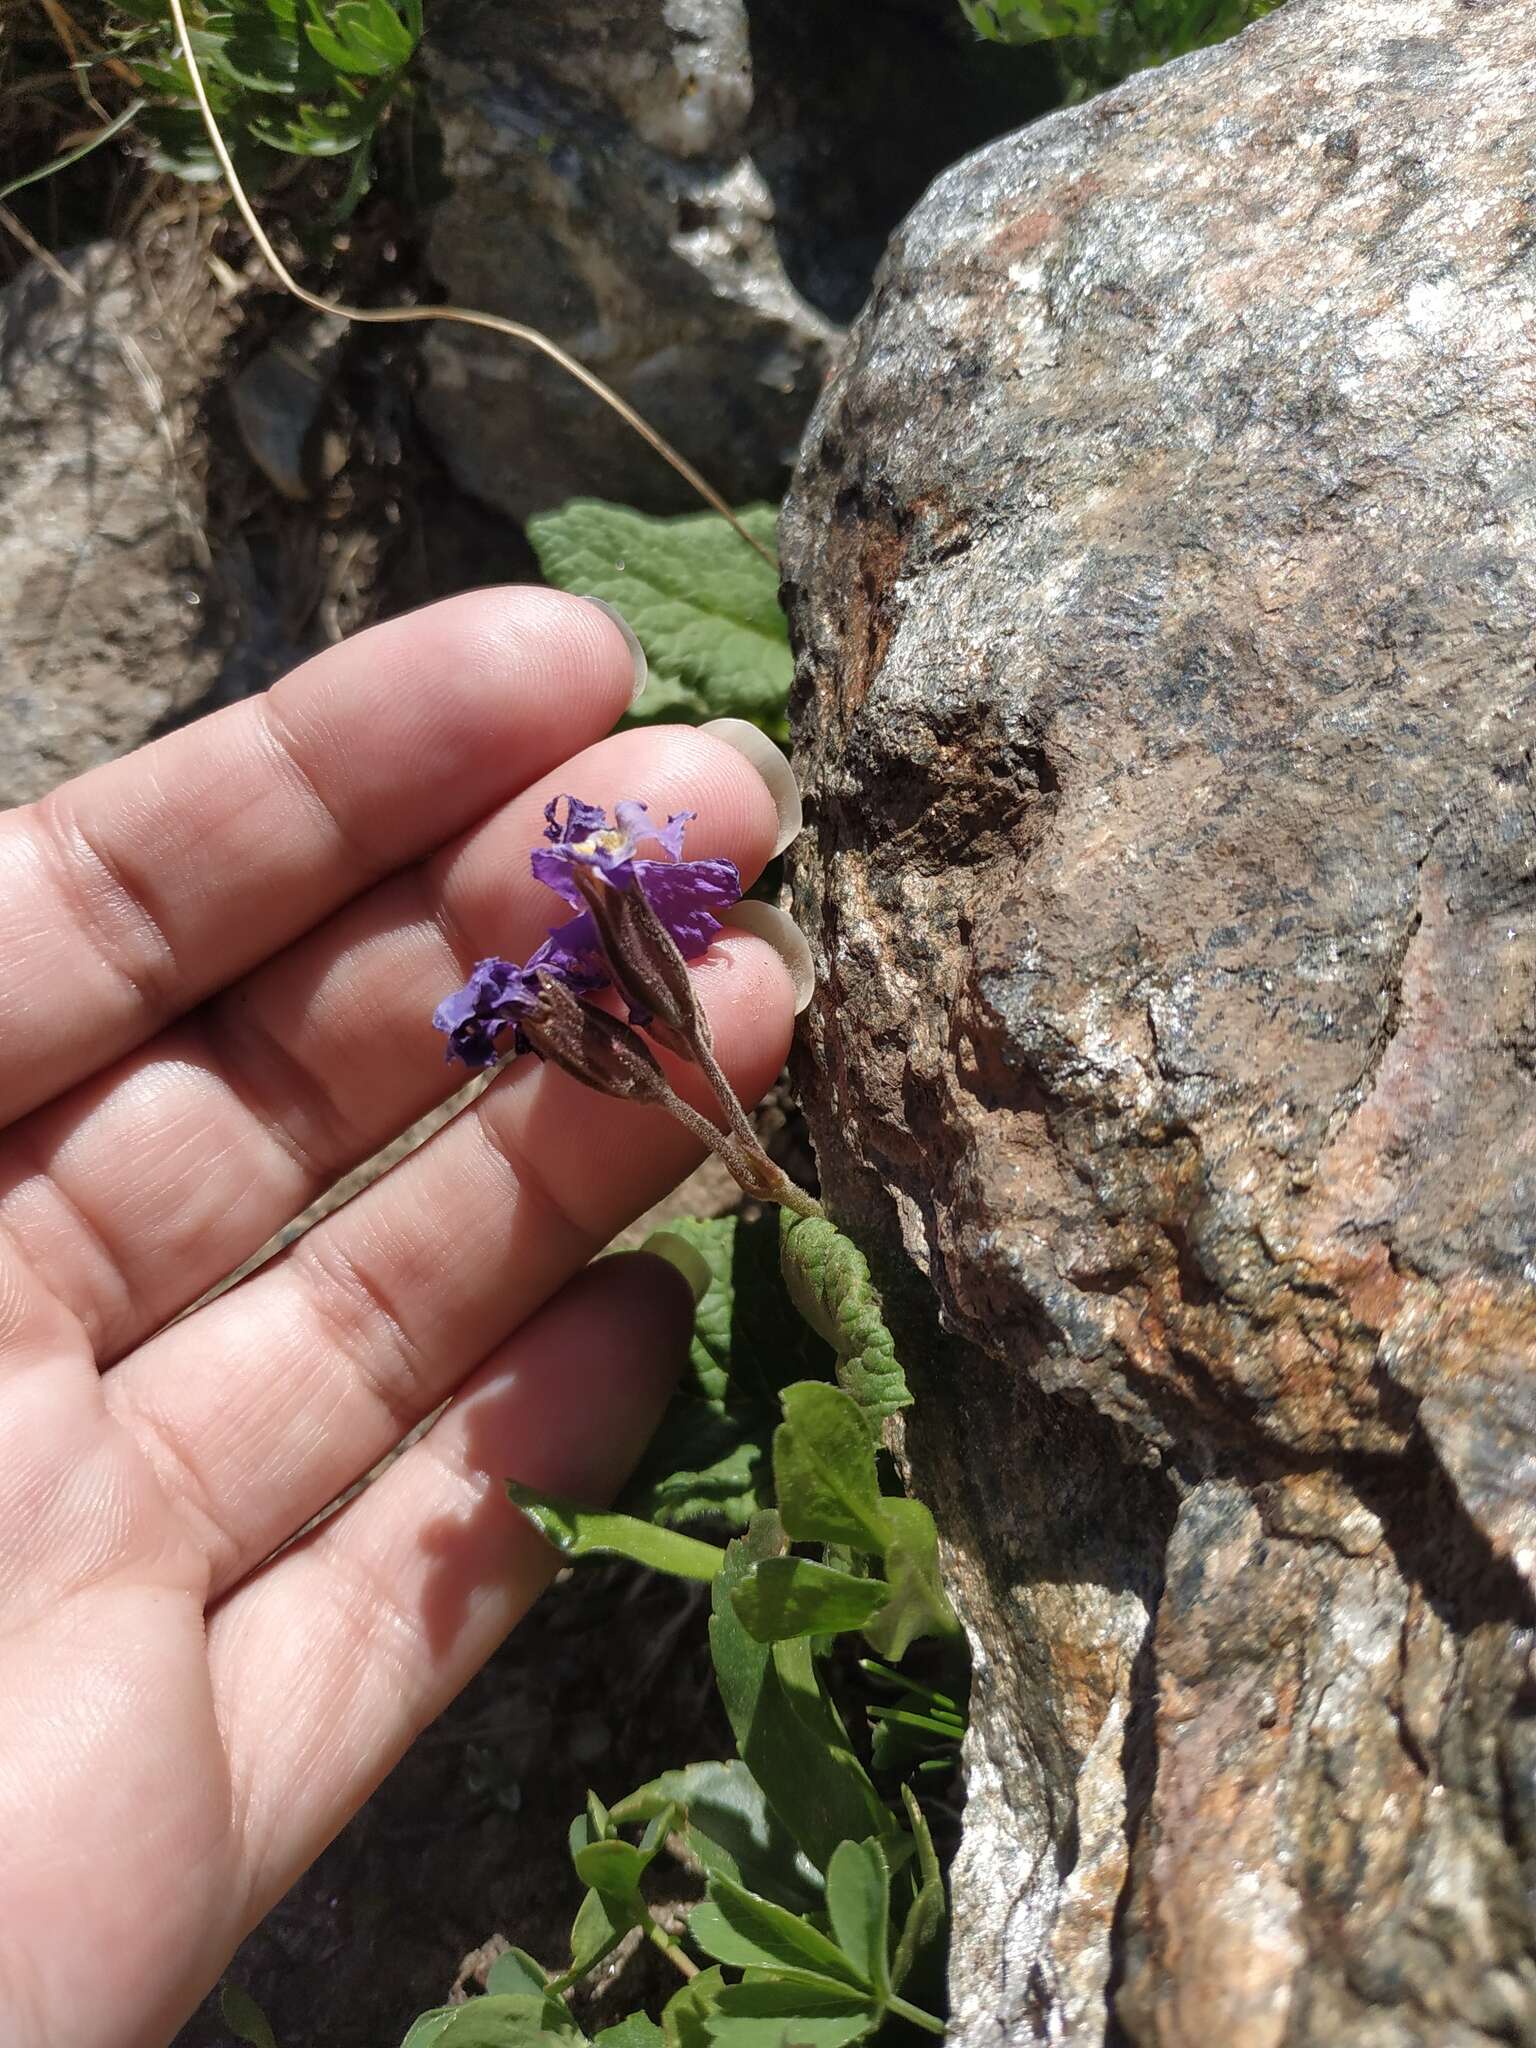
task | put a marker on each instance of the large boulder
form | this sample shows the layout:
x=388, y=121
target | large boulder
x=690, y=198
x=1162, y=565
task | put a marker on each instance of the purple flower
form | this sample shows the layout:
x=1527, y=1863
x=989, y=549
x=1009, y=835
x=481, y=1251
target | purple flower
x=684, y=893
x=489, y=1003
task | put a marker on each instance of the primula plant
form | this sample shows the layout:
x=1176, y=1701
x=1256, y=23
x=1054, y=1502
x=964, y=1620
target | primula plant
x=823, y=1909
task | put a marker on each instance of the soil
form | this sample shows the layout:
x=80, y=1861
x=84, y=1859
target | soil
x=605, y=1684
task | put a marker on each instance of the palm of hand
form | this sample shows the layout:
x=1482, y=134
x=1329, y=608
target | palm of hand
x=221, y=957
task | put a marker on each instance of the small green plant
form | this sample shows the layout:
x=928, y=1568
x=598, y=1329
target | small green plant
x=298, y=78
x=824, y=1906
x=706, y=609
x=1101, y=44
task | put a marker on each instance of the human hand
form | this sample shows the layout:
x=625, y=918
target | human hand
x=218, y=963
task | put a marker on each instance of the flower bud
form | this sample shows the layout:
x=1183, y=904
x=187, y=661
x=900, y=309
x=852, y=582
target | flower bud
x=645, y=963
x=594, y=1047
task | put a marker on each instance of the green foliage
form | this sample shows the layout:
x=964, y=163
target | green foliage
x=795, y=1596
x=788, y=1730
x=728, y=1828
x=823, y=1897
x=710, y=1458
x=705, y=606
x=245, y=2018
x=584, y=1532
x=308, y=78
x=1104, y=43
x=829, y=1283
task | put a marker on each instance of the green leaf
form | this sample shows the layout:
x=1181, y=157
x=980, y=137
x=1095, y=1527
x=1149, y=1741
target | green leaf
x=918, y=1604
x=687, y=2012
x=727, y=1825
x=600, y=1925
x=245, y=2018
x=427, y=2028
x=787, y=1731
x=828, y=1281
x=770, y=2011
x=72, y=156
x=705, y=606
x=612, y=1868
x=925, y=1915
x=859, y=1908
x=615, y=1867
x=585, y=1532
x=508, y=2020
x=824, y=1468
x=736, y=1927
x=638, y=2031
x=514, y=1970
x=792, y=1596
x=711, y=1458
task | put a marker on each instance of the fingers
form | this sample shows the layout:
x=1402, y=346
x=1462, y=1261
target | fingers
x=129, y=894
x=266, y=1404
x=334, y=1657
x=136, y=1194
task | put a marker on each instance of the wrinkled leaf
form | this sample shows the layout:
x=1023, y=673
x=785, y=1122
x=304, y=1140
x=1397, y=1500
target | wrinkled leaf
x=788, y=1733
x=704, y=605
x=711, y=1457
x=586, y=1532
x=918, y=1604
x=792, y=1596
x=727, y=1825
x=738, y=1928
x=828, y=1281
x=824, y=1470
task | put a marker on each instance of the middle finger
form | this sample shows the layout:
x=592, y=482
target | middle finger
x=137, y=1193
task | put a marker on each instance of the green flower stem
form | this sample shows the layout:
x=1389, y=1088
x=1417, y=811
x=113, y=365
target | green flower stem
x=915, y=2016
x=680, y=1960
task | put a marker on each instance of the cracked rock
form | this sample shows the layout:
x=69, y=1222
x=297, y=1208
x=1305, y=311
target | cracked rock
x=1160, y=564
x=690, y=198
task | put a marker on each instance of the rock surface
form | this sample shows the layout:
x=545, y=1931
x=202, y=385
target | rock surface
x=689, y=197
x=105, y=636
x=1162, y=563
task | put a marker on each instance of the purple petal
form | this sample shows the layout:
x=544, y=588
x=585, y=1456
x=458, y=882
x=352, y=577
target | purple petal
x=473, y=1017
x=572, y=951
x=685, y=893
x=670, y=837
x=581, y=820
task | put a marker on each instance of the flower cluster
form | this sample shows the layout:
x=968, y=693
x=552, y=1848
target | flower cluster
x=586, y=857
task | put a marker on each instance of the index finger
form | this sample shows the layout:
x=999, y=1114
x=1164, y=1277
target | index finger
x=129, y=894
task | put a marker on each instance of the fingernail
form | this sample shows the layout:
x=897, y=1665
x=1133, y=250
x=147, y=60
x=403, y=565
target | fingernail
x=778, y=929
x=631, y=641
x=687, y=1258
x=771, y=764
